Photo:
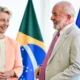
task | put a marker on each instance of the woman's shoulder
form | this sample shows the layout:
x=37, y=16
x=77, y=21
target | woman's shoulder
x=10, y=40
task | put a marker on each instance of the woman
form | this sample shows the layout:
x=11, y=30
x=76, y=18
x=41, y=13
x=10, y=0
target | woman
x=10, y=57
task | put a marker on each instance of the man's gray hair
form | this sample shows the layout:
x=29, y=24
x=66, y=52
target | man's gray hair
x=5, y=9
x=67, y=7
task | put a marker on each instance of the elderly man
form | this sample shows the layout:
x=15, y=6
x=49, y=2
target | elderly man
x=63, y=58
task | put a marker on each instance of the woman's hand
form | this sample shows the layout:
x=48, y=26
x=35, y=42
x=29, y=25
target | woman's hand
x=6, y=75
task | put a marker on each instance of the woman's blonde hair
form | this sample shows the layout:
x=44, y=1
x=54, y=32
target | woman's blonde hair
x=5, y=9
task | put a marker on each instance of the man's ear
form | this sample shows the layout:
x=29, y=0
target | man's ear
x=69, y=17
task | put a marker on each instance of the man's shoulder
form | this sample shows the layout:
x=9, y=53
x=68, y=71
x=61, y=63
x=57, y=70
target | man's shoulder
x=74, y=32
x=76, y=29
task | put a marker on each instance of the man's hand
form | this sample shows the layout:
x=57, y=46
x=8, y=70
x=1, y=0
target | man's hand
x=37, y=72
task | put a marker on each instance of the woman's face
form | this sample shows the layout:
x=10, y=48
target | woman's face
x=4, y=22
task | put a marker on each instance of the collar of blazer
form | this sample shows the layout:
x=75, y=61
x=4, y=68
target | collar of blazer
x=61, y=40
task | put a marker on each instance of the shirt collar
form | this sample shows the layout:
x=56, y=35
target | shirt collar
x=65, y=28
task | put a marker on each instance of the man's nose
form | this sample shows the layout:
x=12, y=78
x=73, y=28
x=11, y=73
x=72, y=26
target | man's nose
x=52, y=17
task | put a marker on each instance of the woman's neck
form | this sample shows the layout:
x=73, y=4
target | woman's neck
x=2, y=36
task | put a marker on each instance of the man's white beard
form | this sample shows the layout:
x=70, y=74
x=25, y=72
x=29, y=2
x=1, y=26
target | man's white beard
x=58, y=25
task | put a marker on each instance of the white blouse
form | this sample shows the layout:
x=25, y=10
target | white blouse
x=2, y=55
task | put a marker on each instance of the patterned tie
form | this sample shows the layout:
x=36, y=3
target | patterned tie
x=43, y=67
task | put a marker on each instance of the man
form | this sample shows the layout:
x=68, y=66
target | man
x=10, y=57
x=64, y=61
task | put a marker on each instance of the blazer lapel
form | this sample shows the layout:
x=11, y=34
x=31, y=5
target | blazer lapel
x=8, y=52
x=61, y=40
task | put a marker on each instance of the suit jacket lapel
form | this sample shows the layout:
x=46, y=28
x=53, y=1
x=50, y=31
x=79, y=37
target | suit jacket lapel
x=61, y=40
x=8, y=52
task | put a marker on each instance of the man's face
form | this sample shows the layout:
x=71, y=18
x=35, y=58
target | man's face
x=59, y=18
x=4, y=21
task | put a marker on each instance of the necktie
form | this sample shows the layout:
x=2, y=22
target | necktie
x=43, y=67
